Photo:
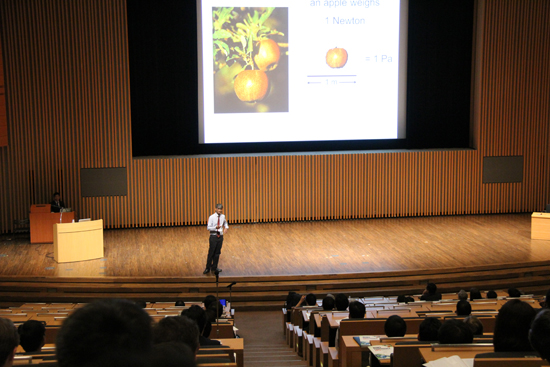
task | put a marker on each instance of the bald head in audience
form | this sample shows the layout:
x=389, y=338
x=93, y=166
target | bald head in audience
x=9, y=340
x=105, y=333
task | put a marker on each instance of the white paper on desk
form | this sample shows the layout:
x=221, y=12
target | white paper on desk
x=382, y=351
x=453, y=361
x=337, y=321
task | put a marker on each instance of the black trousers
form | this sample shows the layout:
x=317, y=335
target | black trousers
x=214, y=251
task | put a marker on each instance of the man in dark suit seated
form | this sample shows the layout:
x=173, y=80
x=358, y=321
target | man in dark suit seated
x=430, y=293
x=56, y=203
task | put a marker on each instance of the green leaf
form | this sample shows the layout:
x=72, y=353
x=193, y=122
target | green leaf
x=266, y=15
x=221, y=34
x=250, y=45
x=243, y=42
x=223, y=46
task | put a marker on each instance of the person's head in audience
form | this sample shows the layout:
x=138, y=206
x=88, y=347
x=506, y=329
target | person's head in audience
x=462, y=295
x=404, y=299
x=463, y=308
x=208, y=300
x=431, y=288
x=311, y=299
x=178, y=329
x=491, y=294
x=9, y=340
x=141, y=304
x=172, y=354
x=292, y=299
x=31, y=335
x=539, y=335
x=475, y=294
x=512, y=324
x=514, y=293
x=428, y=329
x=455, y=331
x=328, y=303
x=110, y=332
x=395, y=326
x=214, y=311
x=197, y=314
x=179, y=303
x=356, y=310
x=341, y=302
x=475, y=325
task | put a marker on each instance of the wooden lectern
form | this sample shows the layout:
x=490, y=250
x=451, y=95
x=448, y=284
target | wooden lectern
x=78, y=241
x=42, y=220
x=540, y=226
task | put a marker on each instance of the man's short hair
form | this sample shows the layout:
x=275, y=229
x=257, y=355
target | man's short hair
x=219, y=206
x=455, y=331
x=55, y=194
x=514, y=293
x=428, y=329
x=395, y=326
x=208, y=300
x=463, y=308
x=511, y=333
x=462, y=295
x=9, y=339
x=197, y=314
x=404, y=299
x=328, y=303
x=311, y=299
x=31, y=335
x=539, y=335
x=432, y=288
x=110, y=332
x=178, y=329
x=341, y=302
x=491, y=294
x=474, y=324
x=475, y=294
x=356, y=310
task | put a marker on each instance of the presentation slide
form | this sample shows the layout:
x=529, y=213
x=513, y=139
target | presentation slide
x=301, y=70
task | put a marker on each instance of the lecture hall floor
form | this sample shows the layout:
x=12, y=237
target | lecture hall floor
x=295, y=248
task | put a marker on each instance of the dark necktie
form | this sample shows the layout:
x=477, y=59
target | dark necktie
x=218, y=225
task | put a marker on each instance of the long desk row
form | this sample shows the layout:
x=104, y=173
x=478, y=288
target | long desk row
x=312, y=331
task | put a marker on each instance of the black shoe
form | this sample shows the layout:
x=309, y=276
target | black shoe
x=217, y=270
x=206, y=271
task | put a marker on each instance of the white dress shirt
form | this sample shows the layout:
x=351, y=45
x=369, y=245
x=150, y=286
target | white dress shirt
x=213, y=223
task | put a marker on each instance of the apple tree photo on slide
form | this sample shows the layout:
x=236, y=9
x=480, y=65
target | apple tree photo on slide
x=250, y=48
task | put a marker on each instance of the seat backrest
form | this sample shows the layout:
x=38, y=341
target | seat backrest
x=408, y=355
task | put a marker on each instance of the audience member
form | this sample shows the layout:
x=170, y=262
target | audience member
x=341, y=302
x=31, y=335
x=404, y=299
x=356, y=310
x=539, y=335
x=210, y=299
x=328, y=303
x=430, y=293
x=179, y=303
x=141, y=304
x=197, y=314
x=178, y=329
x=512, y=325
x=395, y=326
x=475, y=325
x=475, y=294
x=514, y=293
x=463, y=308
x=9, y=340
x=172, y=354
x=545, y=303
x=491, y=294
x=455, y=331
x=105, y=333
x=462, y=295
x=311, y=299
x=428, y=330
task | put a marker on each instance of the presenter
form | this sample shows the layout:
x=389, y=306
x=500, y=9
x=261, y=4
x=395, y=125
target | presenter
x=56, y=203
x=217, y=226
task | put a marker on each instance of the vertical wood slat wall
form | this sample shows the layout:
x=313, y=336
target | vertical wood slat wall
x=3, y=116
x=67, y=78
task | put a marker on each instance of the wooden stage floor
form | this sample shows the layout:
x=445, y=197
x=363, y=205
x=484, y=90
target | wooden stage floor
x=296, y=248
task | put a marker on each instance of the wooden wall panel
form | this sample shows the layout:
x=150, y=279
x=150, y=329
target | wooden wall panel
x=67, y=75
x=3, y=111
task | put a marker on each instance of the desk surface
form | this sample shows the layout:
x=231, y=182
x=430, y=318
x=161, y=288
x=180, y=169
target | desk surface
x=467, y=352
